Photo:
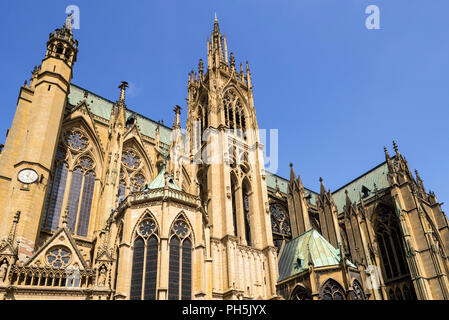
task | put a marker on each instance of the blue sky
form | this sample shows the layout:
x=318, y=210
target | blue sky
x=336, y=91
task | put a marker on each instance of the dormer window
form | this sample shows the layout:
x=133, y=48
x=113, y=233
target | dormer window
x=365, y=192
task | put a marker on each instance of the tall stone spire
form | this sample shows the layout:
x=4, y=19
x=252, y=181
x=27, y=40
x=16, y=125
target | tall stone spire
x=123, y=86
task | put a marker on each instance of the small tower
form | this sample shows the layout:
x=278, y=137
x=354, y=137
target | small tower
x=30, y=148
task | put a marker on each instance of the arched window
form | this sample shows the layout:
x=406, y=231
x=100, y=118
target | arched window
x=234, y=205
x=145, y=261
x=180, y=262
x=332, y=290
x=247, y=215
x=280, y=224
x=357, y=291
x=81, y=188
x=388, y=237
x=79, y=183
x=55, y=196
x=301, y=293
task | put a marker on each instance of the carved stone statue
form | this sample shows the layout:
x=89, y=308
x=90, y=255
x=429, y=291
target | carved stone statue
x=102, y=277
x=3, y=270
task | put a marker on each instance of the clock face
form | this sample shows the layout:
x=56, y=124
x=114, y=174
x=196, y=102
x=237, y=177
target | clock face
x=28, y=176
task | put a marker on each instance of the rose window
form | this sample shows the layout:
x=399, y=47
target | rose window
x=147, y=227
x=58, y=257
x=76, y=141
x=181, y=229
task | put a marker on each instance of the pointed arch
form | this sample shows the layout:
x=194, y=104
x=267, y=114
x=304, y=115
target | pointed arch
x=247, y=209
x=79, y=122
x=136, y=141
x=147, y=214
x=145, y=258
x=332, y=290
x=180, y=259
x=300, y=292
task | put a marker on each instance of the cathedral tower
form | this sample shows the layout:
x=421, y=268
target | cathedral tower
x=225, y=145
x=25, y=163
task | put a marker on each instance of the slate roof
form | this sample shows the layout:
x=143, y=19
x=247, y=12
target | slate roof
x=322, y=253
x=102, y=108
x=377, y=175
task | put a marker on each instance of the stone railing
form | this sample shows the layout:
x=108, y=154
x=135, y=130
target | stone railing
x=160, y=194
x=51, y=277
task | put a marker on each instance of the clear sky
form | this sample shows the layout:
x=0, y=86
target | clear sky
x=336, y=91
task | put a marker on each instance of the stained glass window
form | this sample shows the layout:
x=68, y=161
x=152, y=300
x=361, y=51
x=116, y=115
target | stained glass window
x=151, y=269
x=145, y=254
x=58, y=257
x=181, y=229
x=86, y=204
x=122, y=190
x=186, y=288
x=247, y=217
x=279, y=221
x=358, y=291
x=173, y=270
x=131, y=160
x=76, y=140
x=55, y=197
x=75, y=191
x=138, y=182
x=331, y=290
x=137, y=270
x=147, y=227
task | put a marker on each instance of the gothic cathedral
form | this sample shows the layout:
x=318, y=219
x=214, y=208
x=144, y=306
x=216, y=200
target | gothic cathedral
x=99, y=202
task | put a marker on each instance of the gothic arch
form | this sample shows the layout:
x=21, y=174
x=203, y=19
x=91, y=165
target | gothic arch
x=332, y=290
x=79, y=122
x=358, y=293
x=300, y=292
x=181, y=216
x=147, y=214
x=134, y=143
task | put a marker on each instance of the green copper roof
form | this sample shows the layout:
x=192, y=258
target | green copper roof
x=321, y=251
x=102, y=108
x=377, y=176
x=159, y=182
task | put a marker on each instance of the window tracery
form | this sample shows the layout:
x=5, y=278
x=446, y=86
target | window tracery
x=74, y=174
x=331, y=290
x=145, y=258
x=180, y=261
x=130, y=159
x=358, y=291
x=58, y=257
x=76, y=140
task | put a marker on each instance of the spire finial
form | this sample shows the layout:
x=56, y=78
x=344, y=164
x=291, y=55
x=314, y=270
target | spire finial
x=12, y=233
x=216, y=20
x=68, y=22
x=177, y=124
x=395, y=146
x=122, y=88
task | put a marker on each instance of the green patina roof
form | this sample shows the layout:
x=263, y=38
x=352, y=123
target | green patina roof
x=102, y=108
x=273, y=180
x=377, y=176
x=321, y=251
x=159, y=182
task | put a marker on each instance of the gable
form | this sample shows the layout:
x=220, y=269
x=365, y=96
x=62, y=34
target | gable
x=56, y=247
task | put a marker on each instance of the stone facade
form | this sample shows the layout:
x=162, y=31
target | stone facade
x=100, y=202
